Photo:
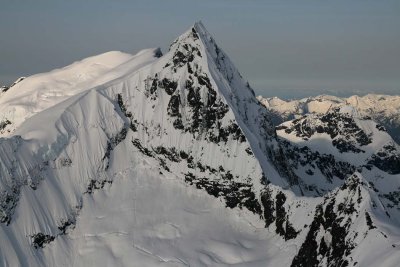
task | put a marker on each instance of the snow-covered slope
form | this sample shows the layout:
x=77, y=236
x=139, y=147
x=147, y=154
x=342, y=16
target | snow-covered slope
x=28, y=96
x=5, y=88
x=384, y=109
x=171, y=160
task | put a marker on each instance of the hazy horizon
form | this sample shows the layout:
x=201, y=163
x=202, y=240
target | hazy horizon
x=288, y=49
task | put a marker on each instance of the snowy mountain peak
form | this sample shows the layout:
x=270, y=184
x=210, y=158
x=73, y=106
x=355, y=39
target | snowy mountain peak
x=199, y=35
x=112, y=159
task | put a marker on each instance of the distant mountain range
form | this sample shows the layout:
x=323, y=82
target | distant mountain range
x=384, y=109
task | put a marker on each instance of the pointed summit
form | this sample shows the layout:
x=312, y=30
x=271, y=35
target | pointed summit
x=213, y=85
x=198, y=25
x=197, y=42
x=202, y=32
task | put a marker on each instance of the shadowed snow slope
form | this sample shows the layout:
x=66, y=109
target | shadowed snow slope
x=170, y=160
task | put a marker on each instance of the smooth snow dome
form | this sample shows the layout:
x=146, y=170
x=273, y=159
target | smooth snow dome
x=42, y=91
x=289, y=49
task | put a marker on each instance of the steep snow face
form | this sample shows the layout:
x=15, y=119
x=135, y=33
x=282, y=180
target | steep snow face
x=174, y=161
x=28, y=96
x=383, y=109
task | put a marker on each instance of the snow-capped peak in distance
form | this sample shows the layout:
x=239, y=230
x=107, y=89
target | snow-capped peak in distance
x=175, y=149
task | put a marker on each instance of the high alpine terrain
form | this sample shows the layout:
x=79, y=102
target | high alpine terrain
x=384, y=109
x=170, y=160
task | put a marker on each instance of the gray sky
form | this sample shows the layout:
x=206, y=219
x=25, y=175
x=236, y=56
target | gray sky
x=285, y=48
